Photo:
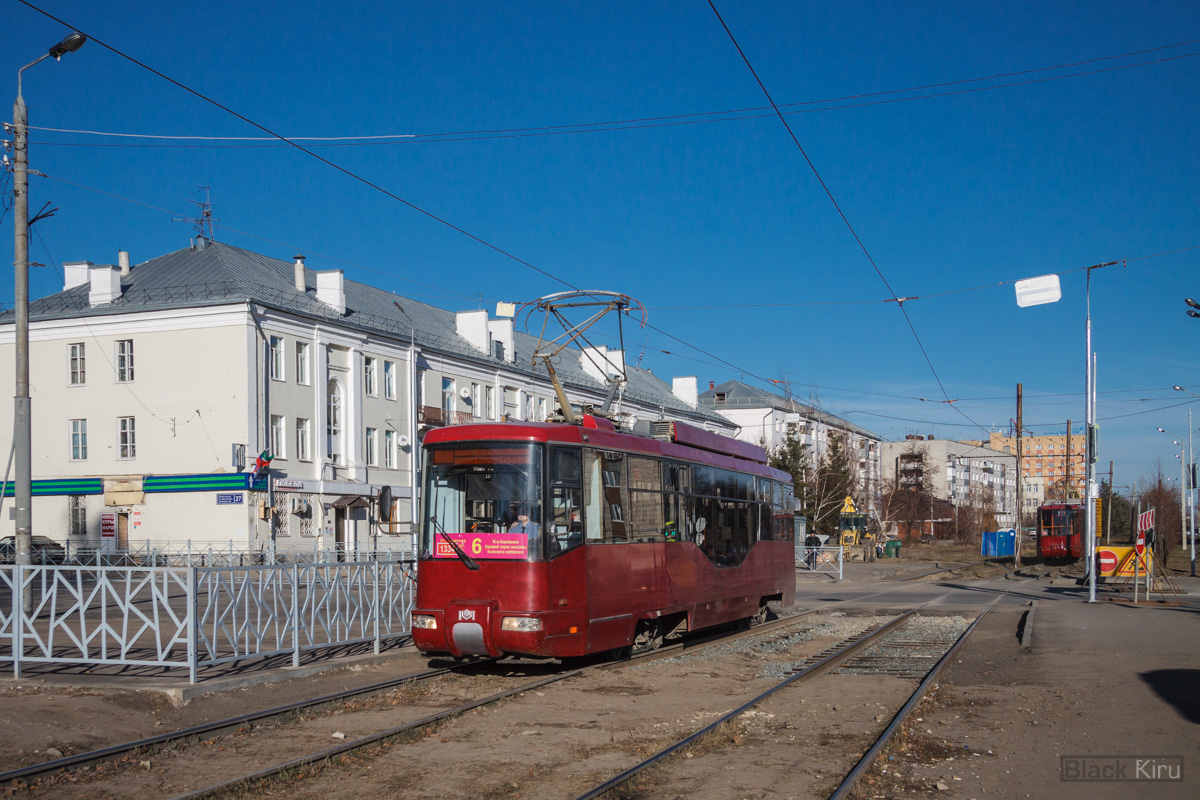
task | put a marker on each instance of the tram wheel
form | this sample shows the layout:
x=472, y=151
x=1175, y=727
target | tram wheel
x=649, y=636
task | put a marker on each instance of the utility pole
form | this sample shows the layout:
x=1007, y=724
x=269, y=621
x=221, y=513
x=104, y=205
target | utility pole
x=1108, y=529
x=1020, y=480
x=1067, y=485
x=22, y=414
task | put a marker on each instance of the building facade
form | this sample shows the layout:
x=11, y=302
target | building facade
x=154, y=387
x=961, y=473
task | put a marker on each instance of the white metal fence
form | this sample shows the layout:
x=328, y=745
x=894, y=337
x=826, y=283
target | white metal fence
x=194, y=617
x=819, y=560
x=213, y=554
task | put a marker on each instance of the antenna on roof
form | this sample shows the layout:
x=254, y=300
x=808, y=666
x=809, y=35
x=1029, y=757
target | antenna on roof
x=203, y=223
x=556, y=306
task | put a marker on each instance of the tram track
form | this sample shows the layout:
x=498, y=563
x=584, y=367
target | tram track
x=848, y=657
x=257, y=720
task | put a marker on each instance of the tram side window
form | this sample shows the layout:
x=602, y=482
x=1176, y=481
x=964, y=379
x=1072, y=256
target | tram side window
x=645, y=500
x=593, y=492
x=616, y=494
x=566, y=501
x=786, y=528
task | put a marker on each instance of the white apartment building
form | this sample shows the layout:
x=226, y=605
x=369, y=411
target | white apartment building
x=961, y=472
x=768, y=419
x=146, y=380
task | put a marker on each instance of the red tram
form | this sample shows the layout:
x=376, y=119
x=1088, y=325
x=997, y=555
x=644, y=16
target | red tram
x=1060, y=529
x=555, y=540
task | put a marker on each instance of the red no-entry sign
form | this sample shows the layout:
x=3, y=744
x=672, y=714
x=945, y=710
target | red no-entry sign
x=1140, y=547
x=1107, y=560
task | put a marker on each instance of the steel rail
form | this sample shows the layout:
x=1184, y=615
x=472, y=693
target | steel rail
x=830, y=661
x=865, y=762
x=113, y=751
x=989, y=560
x=363, y=741
x=209, y=727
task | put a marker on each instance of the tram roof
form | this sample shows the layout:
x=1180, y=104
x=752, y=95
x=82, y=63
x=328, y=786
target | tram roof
x=599, y=432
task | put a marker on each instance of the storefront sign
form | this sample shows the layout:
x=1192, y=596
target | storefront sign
x=135, y=519
x=108, y=525
x=289, y=484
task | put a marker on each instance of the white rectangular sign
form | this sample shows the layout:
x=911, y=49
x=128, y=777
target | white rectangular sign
x=1037, y=291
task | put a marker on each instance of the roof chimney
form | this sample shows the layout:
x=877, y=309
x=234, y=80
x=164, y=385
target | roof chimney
x=300, y=287
x=685, y=390
x=105, y=285
x=75, y=273
x=331, y=289
x=123, y=261
x=712, y=385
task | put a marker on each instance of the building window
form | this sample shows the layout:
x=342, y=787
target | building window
x=79, y=440
x=125, y=361
x=372, y=447
x=302, y=451
x=389, y=380
x=448, y=404
x=476, y=405
x=276, y=364
x=302, y=363
x=541, y=409
x=78, y=373
x=277, y=446
x=333, y=421
x=528, y=407
x=369, y=382
x=389, y=449
x=490, y=402
x=126, y=438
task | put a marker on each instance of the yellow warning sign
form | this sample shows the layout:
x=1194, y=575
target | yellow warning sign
x=848, y=506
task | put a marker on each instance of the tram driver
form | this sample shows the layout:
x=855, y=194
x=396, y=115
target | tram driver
x=523, y=524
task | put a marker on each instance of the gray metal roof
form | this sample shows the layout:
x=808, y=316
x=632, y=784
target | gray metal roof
x=741, y=395
x=219, y=274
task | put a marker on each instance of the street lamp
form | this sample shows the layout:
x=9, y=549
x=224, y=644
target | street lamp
x=412, y=421
x=1191, y=475
x=23, y=440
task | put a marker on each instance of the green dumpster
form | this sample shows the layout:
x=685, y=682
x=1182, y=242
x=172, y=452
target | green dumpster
x=891, y=549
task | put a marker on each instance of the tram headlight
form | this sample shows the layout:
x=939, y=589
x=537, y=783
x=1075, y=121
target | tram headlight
x=524, y=624
x=424, y=621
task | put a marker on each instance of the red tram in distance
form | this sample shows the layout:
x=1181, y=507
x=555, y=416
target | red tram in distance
x=1060, y=529
x=556, y=540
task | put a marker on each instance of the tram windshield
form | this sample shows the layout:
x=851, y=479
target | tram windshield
x=1057, y=522
x=484, y=497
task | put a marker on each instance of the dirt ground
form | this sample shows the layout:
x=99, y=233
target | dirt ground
x=993, y=728
x=555, y=742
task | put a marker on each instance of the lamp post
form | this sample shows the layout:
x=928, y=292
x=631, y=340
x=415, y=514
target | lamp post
x=412, y=422
x=22, y=416
x=1191, y=473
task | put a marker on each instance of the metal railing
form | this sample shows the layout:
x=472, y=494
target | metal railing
x=819, y=560
x=188, y=553
x=195, y=617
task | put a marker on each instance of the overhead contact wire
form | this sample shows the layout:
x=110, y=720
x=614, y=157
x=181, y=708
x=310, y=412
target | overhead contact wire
x=841, y=214
x=306, y=151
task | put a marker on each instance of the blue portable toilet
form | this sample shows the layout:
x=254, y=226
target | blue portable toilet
x=997, y=544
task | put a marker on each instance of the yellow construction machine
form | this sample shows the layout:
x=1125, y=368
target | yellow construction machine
x=857, y=544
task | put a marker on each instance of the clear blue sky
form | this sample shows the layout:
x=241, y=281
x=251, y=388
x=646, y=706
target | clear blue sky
x=961, y=190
